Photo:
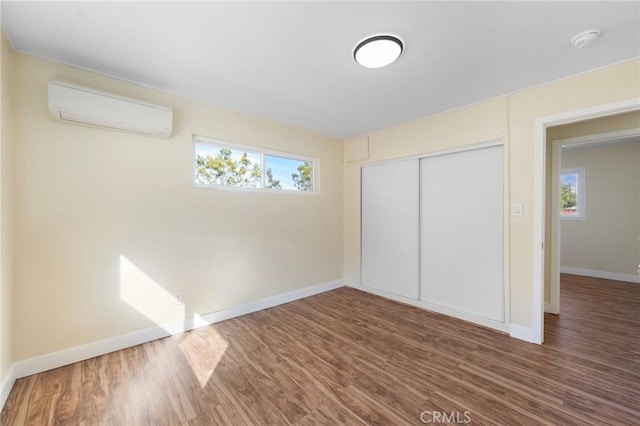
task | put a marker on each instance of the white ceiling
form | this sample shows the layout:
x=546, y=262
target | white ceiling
x=292, y=62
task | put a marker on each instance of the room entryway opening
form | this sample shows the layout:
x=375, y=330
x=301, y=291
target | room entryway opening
x=579, y=159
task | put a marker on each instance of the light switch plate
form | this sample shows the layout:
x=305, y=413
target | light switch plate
x=516, y=209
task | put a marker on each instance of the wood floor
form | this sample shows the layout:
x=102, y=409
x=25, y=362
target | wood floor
x=348, y=357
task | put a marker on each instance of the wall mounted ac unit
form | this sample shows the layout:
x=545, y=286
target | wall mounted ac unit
x=82, y=105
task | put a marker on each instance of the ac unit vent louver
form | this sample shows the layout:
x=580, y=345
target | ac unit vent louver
x=85, y=106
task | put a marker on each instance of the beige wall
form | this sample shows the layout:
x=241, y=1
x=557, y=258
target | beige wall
x=630, y=120
x=511, y=118
x=607, y=239
x=108, y=225
x=599, y=87
x=6, y=326
x=613, y=123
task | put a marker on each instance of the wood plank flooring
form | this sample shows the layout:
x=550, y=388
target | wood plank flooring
x=348, y=357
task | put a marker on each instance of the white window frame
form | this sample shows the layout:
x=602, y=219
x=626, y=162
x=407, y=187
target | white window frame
x=203, y=140
x=580, y=202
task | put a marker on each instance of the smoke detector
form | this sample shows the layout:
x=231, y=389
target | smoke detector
x=586, y=37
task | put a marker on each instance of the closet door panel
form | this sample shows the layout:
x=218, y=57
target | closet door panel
x=461, y=236
x=390, y=229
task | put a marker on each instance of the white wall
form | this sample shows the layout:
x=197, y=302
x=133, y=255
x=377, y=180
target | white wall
x=99, y=214
x=607, y=240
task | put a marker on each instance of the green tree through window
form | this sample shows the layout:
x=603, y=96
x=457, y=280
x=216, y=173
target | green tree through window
x=568, y=197
x=572, y=204
x=303, y=179
x=237, y=167
x=222, y=169
x=272, y=183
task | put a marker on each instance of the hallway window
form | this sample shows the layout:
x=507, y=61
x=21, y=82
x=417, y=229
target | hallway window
x=572, y=203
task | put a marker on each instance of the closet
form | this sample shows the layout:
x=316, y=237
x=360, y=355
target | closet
x=432, y=231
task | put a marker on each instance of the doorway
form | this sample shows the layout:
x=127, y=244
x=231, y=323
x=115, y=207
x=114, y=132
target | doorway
x=593, y=189
x=540, y=195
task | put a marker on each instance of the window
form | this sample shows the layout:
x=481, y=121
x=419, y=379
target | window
x=288, y=173
x=572, y=194
x=221, y=165
x=227, y=167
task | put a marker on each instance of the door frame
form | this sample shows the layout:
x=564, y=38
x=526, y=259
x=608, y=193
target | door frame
x=539, y=194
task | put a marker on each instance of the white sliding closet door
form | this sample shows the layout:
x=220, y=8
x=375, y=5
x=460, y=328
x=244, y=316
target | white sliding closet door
x=390, y=230
x=461, y=236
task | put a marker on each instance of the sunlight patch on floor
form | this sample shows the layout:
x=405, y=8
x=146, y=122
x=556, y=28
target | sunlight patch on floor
x=203, y=350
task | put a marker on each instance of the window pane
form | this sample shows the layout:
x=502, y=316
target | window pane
x=569, y=194
x=227, y=167
x=288, y=174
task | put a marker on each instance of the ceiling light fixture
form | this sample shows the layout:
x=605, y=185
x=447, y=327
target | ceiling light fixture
x=586, y=37
x=378, y=51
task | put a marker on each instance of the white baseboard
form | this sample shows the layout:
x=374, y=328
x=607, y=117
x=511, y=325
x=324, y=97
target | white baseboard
x=601, y=274
x=522, y=333
x=6, y=385
x=551, y=308
x=42, y=363
x=452, y=312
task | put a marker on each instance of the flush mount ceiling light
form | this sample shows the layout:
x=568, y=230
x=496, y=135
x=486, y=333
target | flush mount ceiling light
x=378, y=51
x=586, y=37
